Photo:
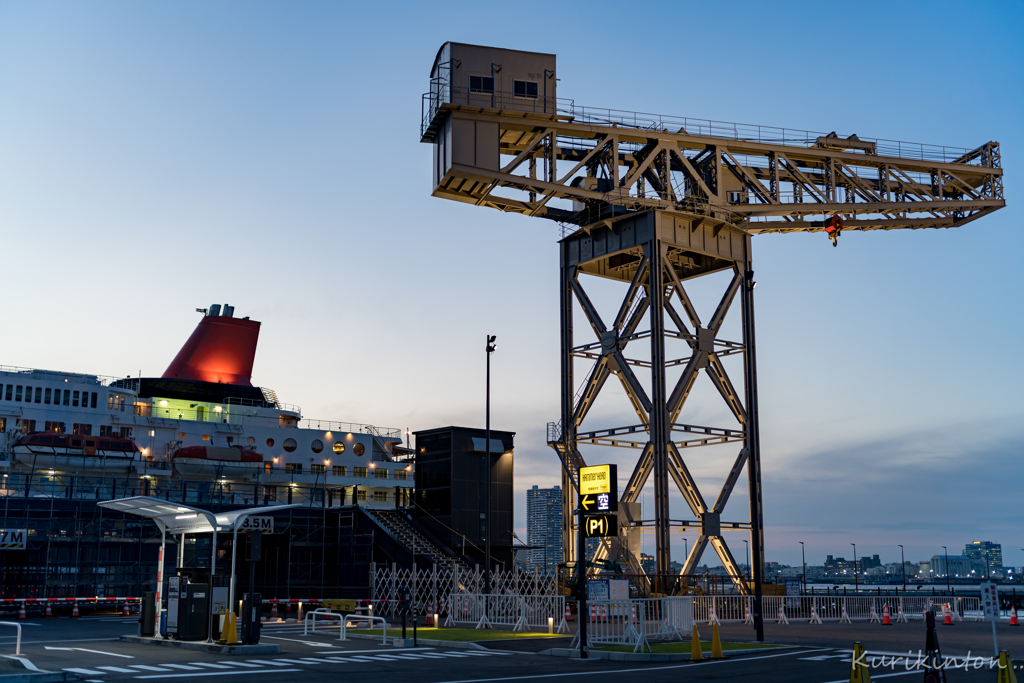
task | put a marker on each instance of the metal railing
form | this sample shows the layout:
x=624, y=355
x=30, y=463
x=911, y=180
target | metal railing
x=17, y=645
x=443, y=93
x=521, y=612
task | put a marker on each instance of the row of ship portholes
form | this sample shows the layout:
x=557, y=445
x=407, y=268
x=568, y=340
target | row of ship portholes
x=317, y=446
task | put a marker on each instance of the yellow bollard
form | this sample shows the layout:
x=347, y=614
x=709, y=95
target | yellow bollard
x=1006, y=674
x=858, y=667
x=695, y=653
x=716, y=644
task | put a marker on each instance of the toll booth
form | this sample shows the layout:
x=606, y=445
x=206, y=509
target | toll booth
x=196, y=596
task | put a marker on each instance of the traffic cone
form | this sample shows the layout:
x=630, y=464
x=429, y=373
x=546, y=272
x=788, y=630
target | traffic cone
x=782, y=615
x=593, y=614
x=49, y=612
x=1013, y=617
x=695, y=652
x=604, y=614
x=568, y=612
x=124, y=612
x=1006, y=674
x=230, y=635
x=947, y=615
x=74, y=611
x=886, y=621
x=874, y=614
x=815, y=619
x=844, y=618
x=430, y=616
x=21, y=611
x=273, y=611
x=716, y=644
x=858, y=667
x=747, y=619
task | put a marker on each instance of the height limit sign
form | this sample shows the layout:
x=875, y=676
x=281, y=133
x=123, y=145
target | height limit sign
x=599, y=501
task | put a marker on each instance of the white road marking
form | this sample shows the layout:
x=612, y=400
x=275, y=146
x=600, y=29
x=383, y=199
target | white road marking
x=210, y=664
x=253, y=666
x=118, y=669
x=266, y=661
x=629, y=671
x=218, y=673
x=296, y=661
x=357, y=652
x=146, y=667
x=85, y=672
x=874, y=676
x=82, y=649
x=186, y=667
x=311, y=643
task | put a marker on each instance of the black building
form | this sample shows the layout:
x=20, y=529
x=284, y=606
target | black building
x=451, y=476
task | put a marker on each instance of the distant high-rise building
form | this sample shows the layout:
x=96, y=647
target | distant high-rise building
x=544, y=526
x=988, y=553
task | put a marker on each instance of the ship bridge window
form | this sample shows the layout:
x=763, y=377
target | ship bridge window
x=380, y=473
x=47, y=395
x=291, y=468
x=74, y=399
x=10, y=388
x=401, y=474
x=339, y=471
x=39, y=394
x=67, y=397
x=317, y=445
x=92, y=400
x=82, y=429
x=318, y=469
x=270, y=443
x=289, y=445
x=26, y=426
x=17, y=394
x=55, y=427
x=359, y=472
x=482, y=84
x=3, y=424
x=358, y=449
x=380, y=496
x=524, y=89
x=339, y=447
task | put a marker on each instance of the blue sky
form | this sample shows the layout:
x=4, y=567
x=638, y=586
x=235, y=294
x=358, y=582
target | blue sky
x=155, y=158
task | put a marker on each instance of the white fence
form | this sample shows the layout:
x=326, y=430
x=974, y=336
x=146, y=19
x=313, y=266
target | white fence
x=521, y=612
x=637, y=622
x=429, y=588
x=733, y=608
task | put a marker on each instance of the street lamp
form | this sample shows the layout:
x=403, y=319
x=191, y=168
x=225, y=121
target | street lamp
x=487, y=455
x=856, y=579
x=803, y=560
x=903, y=567
x=946, y=552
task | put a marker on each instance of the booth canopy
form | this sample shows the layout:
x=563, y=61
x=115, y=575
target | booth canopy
x=175, y=518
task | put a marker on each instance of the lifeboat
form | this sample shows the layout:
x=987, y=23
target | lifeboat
x=217, y=462
x=47, y=450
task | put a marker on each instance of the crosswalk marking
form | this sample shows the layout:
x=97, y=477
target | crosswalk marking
x=266, y=661
x=296, y=661
x=218, y=673
x=85, y=672
x=118, y=669
x=148, y=668
x=186, y=667
x=245, y=664
x=211, y=665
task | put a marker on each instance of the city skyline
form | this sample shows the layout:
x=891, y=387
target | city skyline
x=157, y=144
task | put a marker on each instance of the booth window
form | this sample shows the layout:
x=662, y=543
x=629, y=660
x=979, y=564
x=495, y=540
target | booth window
x=524, y=89
x=483, y=84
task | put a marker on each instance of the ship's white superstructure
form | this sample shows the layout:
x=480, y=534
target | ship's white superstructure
x=185, y=426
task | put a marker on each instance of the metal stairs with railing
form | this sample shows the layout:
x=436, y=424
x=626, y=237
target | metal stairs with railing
x=402, y=530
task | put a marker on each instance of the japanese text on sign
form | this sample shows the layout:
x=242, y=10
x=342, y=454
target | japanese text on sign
x=597, y=479
x=990, y=600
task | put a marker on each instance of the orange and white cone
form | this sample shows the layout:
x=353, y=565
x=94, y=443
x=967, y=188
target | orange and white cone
x=74, y=611
x=273, y=611
x=593, y=614
x=947, y=614
x=568, y=612
x=21, y=611
x=604, y=614
x=1013, y=617
x=49, y=612
x=124, y=612
x=886, y=620
x=430, y=616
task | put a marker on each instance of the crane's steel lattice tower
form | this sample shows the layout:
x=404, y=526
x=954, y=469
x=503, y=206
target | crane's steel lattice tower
x=656, y=202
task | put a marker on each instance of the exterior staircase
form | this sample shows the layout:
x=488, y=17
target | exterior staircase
x=403, y=531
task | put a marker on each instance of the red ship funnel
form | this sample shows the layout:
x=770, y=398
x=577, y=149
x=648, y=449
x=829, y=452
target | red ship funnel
x=221, y=349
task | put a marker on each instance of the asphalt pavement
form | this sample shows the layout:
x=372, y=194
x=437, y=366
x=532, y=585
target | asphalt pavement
x=89, y=649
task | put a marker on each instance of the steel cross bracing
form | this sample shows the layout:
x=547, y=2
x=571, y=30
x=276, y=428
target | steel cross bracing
x=740, y=174
x=652, y=265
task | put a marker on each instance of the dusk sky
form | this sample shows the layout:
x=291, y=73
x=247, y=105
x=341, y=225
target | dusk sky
x=156, y=158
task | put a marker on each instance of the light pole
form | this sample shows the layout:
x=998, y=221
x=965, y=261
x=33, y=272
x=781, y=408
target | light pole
x=903, y=567
x=946, y=553
x=487, y=456
x=856, y=579
x=803, y=560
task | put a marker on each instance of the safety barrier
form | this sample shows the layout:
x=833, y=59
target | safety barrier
x=518, y=611
x=732, y=608
x=323, y=613
x=355, y=619
x=49, y=603
x=638, y=621
x=17, y=645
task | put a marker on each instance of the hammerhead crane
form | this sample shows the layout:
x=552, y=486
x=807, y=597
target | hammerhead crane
x=654, y=202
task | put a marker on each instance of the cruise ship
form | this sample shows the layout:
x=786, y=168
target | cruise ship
x=201, y=424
